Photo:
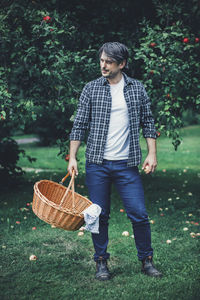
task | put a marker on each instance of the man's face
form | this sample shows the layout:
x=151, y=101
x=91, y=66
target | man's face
x=110, y=68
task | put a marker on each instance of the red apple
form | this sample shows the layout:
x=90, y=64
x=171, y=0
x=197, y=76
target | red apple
x=47, y=19
x=67, y=157
x=158, y=133
x=185, y=40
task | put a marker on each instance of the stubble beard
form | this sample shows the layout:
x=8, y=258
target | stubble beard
x=111, y=75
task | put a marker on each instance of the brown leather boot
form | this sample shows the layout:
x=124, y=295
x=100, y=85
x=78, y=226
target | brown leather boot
x=102, y=272
x=149, y=269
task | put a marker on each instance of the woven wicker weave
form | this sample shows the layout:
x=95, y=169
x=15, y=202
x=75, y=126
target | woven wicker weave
x=59, y=206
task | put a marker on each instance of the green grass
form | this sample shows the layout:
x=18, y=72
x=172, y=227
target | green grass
x=187, y=155
x=65, y=269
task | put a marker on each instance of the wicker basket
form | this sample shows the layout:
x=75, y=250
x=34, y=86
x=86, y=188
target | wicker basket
x=59, y=206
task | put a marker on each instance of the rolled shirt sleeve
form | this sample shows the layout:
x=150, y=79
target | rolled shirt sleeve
x=82, y=119
x=146, y=117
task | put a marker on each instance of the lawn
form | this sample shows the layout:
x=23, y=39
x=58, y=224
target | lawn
x=64, y=268
x=186, y=156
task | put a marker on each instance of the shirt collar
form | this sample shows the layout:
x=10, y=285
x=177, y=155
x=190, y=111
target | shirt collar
x=127, y=80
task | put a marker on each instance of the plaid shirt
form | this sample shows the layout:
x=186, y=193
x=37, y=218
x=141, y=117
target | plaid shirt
x=94, y=111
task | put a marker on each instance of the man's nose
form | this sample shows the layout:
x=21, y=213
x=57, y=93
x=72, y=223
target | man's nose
x=103, y=64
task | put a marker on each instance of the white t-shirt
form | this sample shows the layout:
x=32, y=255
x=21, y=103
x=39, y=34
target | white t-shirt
x=117, y=145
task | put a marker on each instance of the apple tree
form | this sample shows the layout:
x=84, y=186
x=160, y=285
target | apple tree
x=169, y=59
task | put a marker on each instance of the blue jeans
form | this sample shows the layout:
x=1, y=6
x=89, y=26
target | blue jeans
x=99, y=179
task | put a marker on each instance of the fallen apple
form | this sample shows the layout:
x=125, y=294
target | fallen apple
x=125, y=233
x=33, y=257
x=80, y=233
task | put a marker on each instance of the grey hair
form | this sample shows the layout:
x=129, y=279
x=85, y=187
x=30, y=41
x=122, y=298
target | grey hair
x=116, y=51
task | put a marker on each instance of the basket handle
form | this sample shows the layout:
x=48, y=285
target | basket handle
x=71, y=185
x=64, y=178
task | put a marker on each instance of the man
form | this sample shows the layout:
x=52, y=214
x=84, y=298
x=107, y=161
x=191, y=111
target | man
x=112, y=108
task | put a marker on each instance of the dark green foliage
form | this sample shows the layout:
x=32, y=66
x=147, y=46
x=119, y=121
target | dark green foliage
x=171, y=72
x=45, y=62
x=9, y=155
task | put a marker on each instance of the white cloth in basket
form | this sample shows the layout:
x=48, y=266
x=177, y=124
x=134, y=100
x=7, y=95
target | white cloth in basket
x=91, y=217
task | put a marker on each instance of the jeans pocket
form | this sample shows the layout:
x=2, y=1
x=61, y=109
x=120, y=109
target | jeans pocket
x=90, y=166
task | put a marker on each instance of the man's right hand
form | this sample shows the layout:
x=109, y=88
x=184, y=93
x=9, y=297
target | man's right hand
x=74, y=145
x=72, y=166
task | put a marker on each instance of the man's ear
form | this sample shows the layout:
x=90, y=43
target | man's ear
x=122, y=64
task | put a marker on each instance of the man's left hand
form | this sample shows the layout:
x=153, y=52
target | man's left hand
x=149, y=164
